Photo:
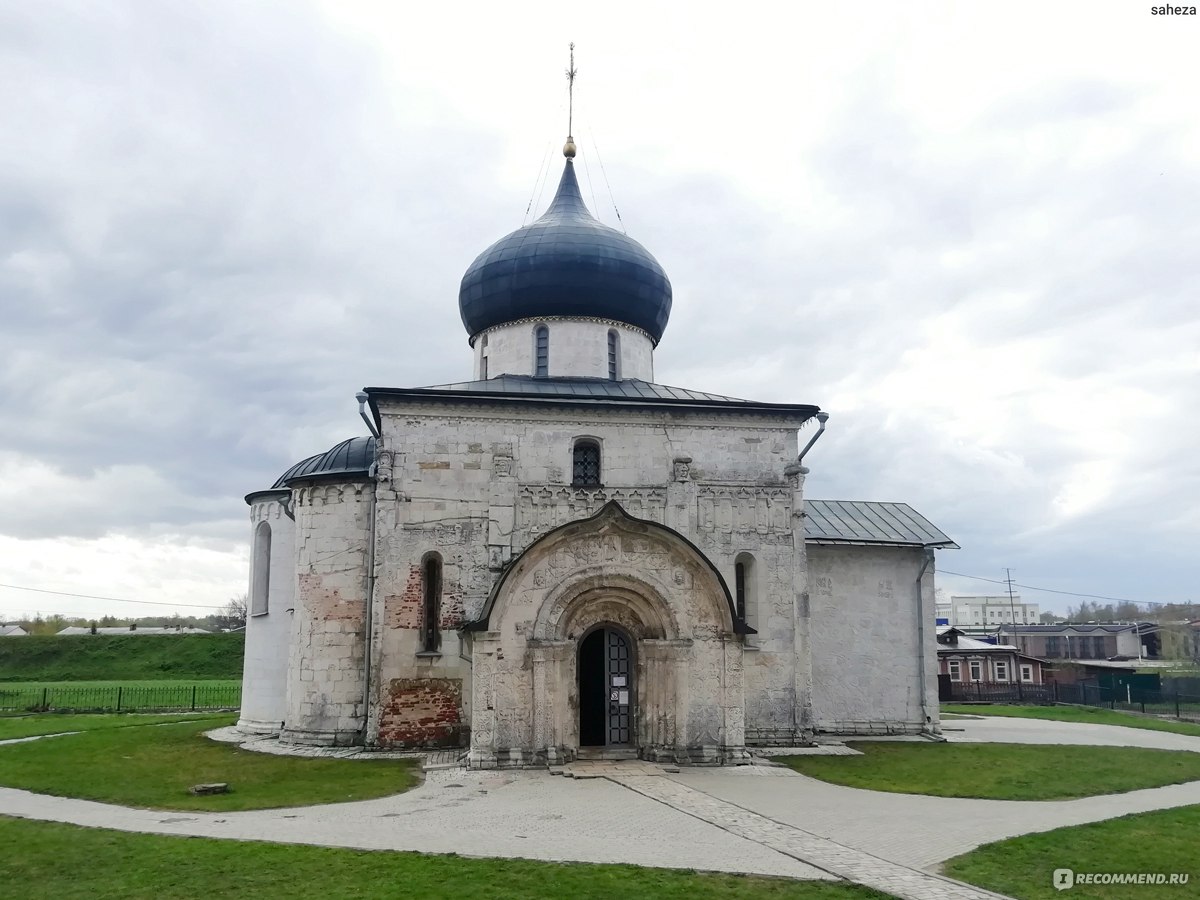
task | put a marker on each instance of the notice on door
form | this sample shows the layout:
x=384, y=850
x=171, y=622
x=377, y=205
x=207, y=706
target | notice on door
x=623, y=698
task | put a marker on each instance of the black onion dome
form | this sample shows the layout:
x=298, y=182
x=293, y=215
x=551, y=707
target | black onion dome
x=567, y=263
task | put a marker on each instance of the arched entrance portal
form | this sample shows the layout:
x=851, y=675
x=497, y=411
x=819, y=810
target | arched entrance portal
x=606, y=695
x=608, y=636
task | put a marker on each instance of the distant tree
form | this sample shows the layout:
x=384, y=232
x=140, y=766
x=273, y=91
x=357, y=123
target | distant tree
x=232, y=615
x=1047, y=618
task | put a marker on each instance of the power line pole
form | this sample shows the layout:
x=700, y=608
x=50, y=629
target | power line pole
x=1012, y=605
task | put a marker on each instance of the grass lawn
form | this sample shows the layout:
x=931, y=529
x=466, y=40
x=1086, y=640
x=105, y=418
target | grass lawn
x=65, y=862
x=56, y=723
x=1091, y=714
x=1000, y=771
x=155, y=766
x=1163, y=841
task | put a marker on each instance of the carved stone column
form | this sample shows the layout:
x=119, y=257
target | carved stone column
x=680, y=513
x=502, y=506
x=549, y=698
x=659, y=693
x=734, y=702
x=484, y=647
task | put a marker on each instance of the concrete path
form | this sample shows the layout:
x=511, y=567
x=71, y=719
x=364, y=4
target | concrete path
x=754, y=819
x=528, y=814
x=1011, y=730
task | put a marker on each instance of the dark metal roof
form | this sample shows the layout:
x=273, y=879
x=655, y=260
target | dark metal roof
x=350, y=459
x=567, y=263
x=305, y=465
x=869, y=522
x=628, y=388
x=587, y=391
x=1061, y=627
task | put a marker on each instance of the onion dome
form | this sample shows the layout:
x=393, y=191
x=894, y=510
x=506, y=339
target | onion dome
x=567, y=263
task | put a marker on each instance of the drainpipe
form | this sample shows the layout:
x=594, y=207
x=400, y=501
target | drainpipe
x=822, y=417
x=921, y=640
x=369, y=617
x=361, y=397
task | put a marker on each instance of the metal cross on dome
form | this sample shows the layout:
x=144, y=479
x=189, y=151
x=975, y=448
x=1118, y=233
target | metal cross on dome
x=571, y=73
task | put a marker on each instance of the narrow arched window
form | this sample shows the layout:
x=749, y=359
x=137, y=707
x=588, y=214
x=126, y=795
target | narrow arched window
x=614, y=355
x=260, y=584
x=585, y=464
x=744, y=598
x=541, y=350
x=431, y=607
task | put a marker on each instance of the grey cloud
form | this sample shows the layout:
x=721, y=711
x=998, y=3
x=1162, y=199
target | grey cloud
x=216, y=225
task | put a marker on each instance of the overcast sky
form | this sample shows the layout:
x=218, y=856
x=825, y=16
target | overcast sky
x=969, y=231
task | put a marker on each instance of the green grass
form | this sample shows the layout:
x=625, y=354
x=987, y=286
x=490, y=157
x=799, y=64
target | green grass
x=148, y=656
x=55, y=723
x=65, y=862
x=1001, y=771
x=145, y=694
x=1163, y=841
x=1091, y=714
x=154, y=767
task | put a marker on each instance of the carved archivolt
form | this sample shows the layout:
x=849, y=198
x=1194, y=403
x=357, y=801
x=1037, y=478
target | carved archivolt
x=641, y=575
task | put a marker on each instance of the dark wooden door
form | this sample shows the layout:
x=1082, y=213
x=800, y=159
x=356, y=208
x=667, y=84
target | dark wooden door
x=619, y=681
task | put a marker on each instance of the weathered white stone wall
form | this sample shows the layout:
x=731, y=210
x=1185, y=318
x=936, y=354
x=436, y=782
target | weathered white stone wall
x=578, y=347
x=479, y=485
x=264, y=670
x=325, y=664
x=865, y=650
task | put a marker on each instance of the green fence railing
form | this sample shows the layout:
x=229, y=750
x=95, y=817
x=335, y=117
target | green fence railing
x=120, y=698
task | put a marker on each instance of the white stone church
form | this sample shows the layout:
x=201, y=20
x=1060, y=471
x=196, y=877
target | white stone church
x=561, y=557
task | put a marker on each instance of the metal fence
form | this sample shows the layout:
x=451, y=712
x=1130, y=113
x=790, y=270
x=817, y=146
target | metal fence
x=1122, y=697
x=1000, y=693
x=120, y=698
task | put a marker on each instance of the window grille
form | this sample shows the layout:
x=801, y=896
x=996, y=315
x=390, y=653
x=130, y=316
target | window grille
x=613, y=355
x=586, y=464
x=541, y=338
x=430, y=630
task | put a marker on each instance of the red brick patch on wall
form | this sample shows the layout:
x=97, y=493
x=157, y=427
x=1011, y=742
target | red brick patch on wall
x=327, y=604
x=422, y=712
x=404, y=610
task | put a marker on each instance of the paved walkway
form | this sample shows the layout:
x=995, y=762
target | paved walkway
x=1012, y=730
x=756, y=819
x=529, y=814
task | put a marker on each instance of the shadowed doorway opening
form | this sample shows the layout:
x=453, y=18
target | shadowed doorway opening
x=605, y=689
